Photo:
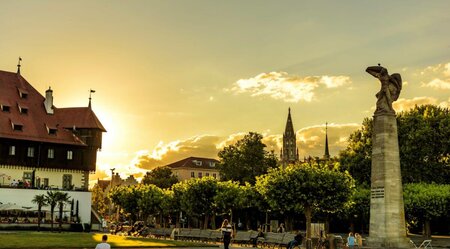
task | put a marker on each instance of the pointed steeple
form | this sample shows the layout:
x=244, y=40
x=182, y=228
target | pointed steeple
x=289, y=126
x=327, y=152
x=289, y=152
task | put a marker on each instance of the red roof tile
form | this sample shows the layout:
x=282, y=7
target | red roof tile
x=36, y=120
x=80, y=117
x=194, y=162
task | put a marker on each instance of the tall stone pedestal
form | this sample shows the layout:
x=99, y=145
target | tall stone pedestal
x=387, y=216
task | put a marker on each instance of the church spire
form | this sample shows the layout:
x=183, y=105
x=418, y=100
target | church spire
x=327, y=152
x=289, y=153
x=289, y=126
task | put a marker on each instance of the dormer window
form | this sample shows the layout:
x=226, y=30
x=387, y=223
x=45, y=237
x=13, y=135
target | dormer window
x=23, y=109
x=198, y=163
x=5, y=108
x=212, y=164
x=23, y=94
x=51, y=130
x=17, y=126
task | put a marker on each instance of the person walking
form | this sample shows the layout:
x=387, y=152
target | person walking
x=103, y=245
x=227, y=232
x=351, y=241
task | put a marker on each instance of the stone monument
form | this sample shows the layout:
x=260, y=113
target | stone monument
x=387, y=215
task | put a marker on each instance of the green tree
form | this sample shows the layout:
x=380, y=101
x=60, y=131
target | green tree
x=99, y=200
x=246, y=159
x=150, y=201
x=52, y=199
x=357, y=157
x=305, y=188
x=424, y=147
x=126, y=198
x=230, y=195
x=161, y=177
x=197, y=197
x=61, y=199
x=424, y=143
x=424, y=202
x=41, y=201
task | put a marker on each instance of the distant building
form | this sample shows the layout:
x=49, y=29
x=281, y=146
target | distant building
x=42, y=146
x=194, y=167
x=289, y=151
x=106, y=185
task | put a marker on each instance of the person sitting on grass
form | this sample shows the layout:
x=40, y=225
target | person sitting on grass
x=103, y=245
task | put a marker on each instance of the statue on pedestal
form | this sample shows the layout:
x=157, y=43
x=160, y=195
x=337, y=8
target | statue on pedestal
x=391, y=86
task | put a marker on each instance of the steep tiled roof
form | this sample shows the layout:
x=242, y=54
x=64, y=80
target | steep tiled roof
x=195, y=162
x=80, y=117
x=17, y=93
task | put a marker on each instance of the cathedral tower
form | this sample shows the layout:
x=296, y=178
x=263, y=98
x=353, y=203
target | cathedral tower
x=289, y=151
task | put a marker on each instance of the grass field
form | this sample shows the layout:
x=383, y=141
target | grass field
x=81, y=240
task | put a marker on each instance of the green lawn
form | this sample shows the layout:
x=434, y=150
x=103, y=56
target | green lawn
x=80, y=240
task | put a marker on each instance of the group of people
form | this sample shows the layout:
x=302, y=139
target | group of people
x=354, y=240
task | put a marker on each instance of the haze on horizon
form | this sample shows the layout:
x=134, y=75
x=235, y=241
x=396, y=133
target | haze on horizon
x=176, y=79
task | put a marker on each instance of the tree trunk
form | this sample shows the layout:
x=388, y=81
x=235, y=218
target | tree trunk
x=213, y=222
x=327, y=224
x=427, y=229
x=288, y=220
x=205, y=225
x=52, y=211
x=308, y=216
x=60, y=217
x=39, y=218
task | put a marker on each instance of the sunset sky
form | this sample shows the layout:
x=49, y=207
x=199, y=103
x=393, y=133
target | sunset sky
x=184, y=78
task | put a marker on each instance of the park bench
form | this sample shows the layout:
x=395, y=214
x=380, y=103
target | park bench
x=215, y=236
x=204, y=235
x=242, y=238
x=194, y=235
x=288, y=237
x=424, y=245
x=160, y=232
x=272, y=239
x=183, y=234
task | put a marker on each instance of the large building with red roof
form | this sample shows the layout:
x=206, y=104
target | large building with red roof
x=194, y=167
x=42, y=146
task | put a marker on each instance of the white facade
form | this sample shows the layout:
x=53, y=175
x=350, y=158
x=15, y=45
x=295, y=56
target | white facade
x=23, y=197
x=53, y=177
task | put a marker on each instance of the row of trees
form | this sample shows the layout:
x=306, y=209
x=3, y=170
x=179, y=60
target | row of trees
x=292, y=190
x=52, y=199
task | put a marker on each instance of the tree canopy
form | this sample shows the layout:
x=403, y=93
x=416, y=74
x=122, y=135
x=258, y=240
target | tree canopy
x=424, y=202
x=246, y=159
x=306, y=188
x=424, y=146
x=161, y=177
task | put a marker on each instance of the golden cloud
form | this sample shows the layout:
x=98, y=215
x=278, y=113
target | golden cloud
x=286, y=87
x=310, y=142
x=199, y=146
x=437, y=76
x=405, y=104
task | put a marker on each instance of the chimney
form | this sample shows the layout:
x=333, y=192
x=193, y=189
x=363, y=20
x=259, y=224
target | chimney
x=48, y=102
